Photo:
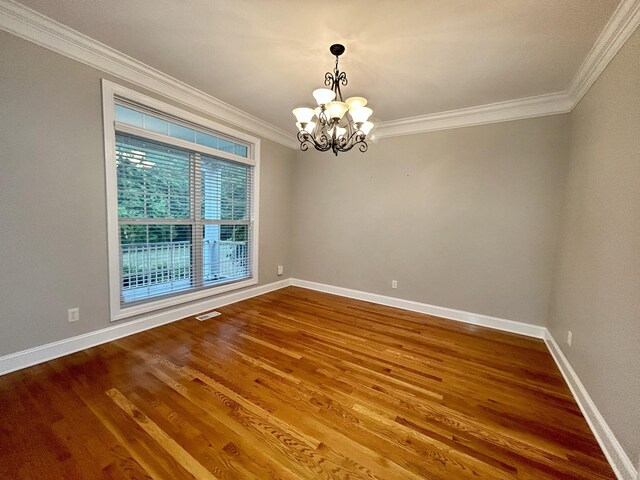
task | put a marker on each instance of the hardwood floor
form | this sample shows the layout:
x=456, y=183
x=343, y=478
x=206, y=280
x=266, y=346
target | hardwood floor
x=299, y=384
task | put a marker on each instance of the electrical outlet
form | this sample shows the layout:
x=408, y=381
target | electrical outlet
x=394, y=284
x=569, y=337
x=73, y=315
x=280, y=269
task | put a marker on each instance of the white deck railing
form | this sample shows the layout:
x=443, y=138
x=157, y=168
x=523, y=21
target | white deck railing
x=150, y=264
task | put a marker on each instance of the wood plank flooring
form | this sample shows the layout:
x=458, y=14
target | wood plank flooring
x=297, y=384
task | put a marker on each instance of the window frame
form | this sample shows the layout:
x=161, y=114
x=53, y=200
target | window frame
x=110, y=93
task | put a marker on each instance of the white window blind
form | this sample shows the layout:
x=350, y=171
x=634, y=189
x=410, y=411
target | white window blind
x=184, y=214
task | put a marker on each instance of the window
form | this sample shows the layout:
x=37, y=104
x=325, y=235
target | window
x=185, y=223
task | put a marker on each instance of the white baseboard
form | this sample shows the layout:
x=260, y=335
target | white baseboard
x=521, y=328
x=618, y=459
x=33, y=356
x=620, y=462
x=26, y=358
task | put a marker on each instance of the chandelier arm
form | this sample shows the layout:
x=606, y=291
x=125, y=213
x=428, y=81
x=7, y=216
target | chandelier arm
x=335, y=79
x=320, y=137
x=308, y=140
x=364, y=146
x=355, y=137
x=329, y=80
x=350, y=141
x=322, y=142
x=304, y=141
x=324, y=117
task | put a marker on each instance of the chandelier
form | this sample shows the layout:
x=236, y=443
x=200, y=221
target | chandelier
x=335, y=124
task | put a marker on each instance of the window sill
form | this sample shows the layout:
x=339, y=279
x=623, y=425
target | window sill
x=128, y=312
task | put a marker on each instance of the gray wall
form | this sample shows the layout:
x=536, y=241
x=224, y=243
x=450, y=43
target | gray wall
x=53, y=238
x=597, y=281
x=463, y=218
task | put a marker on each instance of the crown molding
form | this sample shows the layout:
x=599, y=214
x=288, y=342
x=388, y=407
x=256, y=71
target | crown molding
x=41, y=30
x=624, y=21
x=550, y=104
x=26, y=23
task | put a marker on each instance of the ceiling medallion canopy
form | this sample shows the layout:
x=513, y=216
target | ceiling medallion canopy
x=335, y=124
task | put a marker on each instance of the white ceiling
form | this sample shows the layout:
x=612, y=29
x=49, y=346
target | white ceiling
x=408, y=57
